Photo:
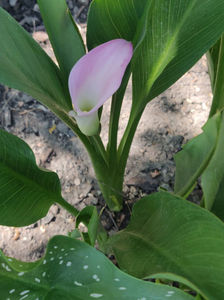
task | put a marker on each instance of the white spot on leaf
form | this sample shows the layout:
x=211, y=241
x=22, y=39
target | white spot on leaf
x=25, y=296
x=69, y=263
x=96, y=277
x=8, y=269
x=24, y=292
x=95, y=295
x=77, y=283
x=12, y=291
x=85, y=267
x=20, y=273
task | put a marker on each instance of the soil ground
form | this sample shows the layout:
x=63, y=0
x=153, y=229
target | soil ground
x=170, y=120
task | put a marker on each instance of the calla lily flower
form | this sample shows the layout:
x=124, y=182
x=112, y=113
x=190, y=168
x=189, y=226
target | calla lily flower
x=94, y=79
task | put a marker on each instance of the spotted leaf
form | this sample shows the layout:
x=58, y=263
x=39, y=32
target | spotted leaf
x=72, y=269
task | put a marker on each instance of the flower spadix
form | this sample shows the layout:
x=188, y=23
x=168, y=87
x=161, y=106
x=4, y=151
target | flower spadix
x=94, y=79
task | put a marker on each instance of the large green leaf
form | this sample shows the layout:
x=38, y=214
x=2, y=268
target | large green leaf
x=26, y=67
x=203, y=156
x=212, y=179
x=63, y=33
x=178, y=33
x=26, y=192
x=195, y=157
x=167, y=235
x=72, y=270
x=109, y=20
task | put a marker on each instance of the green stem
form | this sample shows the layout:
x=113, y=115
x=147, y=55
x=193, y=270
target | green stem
x=218, y=90
x=112, y=179
x=71, y=123
x=99, y=147
x=68, y=207
x=98, y=156
x=116, y=104
x=126, y=141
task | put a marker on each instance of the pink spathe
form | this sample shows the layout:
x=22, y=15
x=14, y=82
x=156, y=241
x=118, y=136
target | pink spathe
x=96, y=77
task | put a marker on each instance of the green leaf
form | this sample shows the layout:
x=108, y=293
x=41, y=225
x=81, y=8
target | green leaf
x=166, y=235
x=63, y=33
x=26, y=191
x=89, y=217
x=212, y=179
x=195, y=157
x=212, y=59
x=109, y=20
x=25, y=66
x=72, y=270
x=203, y=156
x=216, y=67
x=178, y=33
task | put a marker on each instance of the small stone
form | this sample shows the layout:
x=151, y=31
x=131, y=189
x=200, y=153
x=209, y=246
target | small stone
x=84, y=2
x=155, y=173
x=16, y=234
x=77, y=181
x=12, y=2
x=91, y=200
x=36, y=8
x=42, y=229
x=40, y=36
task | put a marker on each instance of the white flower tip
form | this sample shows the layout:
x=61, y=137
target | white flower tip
x=89, y=125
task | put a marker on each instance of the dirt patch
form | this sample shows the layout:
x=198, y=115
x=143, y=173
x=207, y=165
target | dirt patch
x=168, y=121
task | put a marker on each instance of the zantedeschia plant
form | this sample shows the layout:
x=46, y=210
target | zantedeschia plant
x=153, y=42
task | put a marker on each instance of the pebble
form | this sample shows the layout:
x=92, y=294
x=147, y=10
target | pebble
x=77, y=181
x=84, y=2
x=12, y=2
x=40, y=36
x=36, y=8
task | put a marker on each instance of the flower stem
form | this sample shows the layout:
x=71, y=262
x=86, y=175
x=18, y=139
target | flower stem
x=126, y=141
x=99, y=147
x=116, y=104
